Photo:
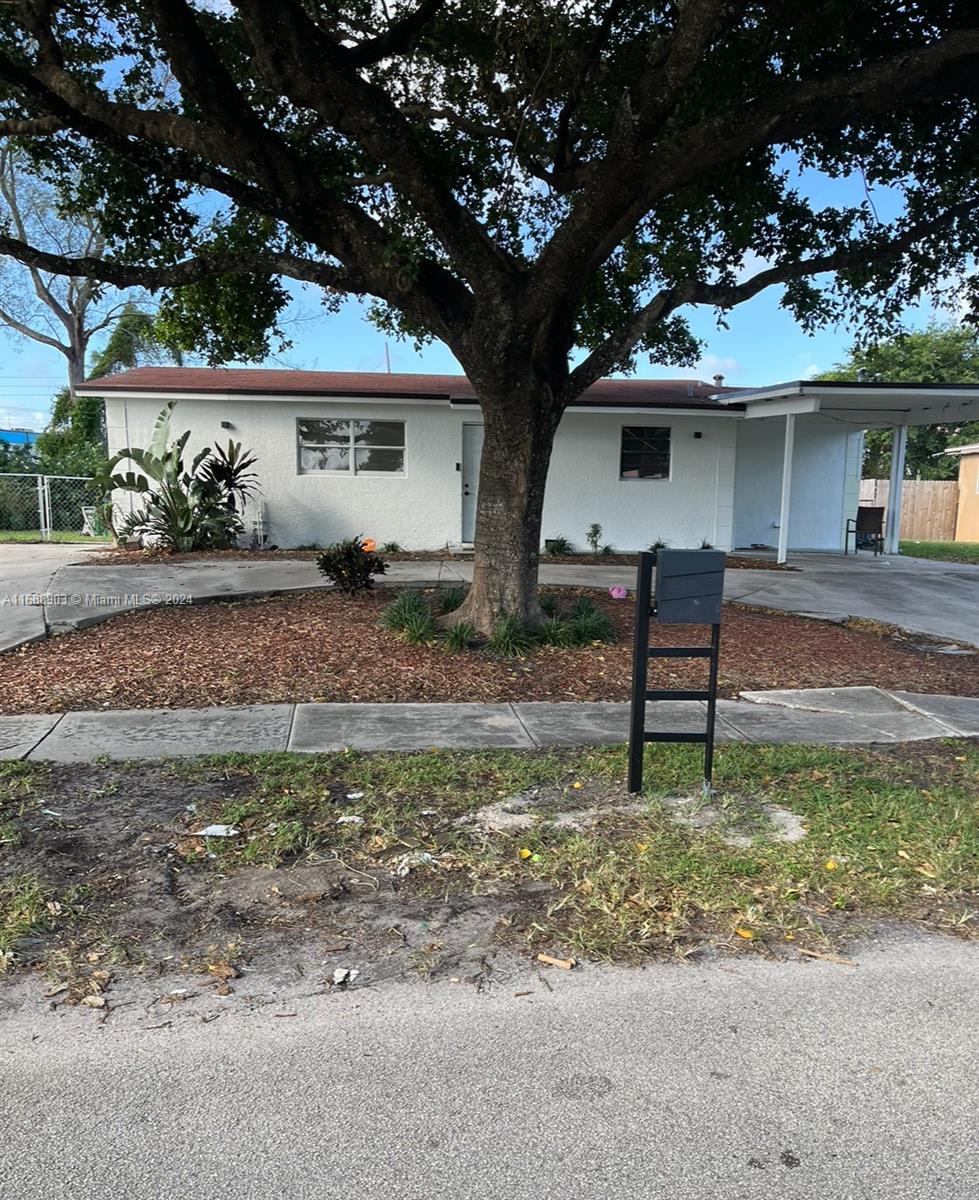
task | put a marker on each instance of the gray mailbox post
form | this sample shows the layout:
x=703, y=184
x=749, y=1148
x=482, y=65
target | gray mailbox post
x=689, y=591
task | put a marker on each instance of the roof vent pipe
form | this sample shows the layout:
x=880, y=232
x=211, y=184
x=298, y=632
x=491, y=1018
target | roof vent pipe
x=718, y=381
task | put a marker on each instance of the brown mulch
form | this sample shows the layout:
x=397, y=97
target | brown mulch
x=116, y=557
x=322, y=646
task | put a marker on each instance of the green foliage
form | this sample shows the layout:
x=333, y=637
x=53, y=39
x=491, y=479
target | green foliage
x=558, y=546
x=391, y=548
x=706, y=545
x=136, y=339
x=449, y=599
x=557, y=632
x=548, y=604
x=459, y=637
x=591, y=627
x=510, y=639
x=193, y=506
x=403, y=607
x=349, y=567
x=419, y=628
x=940, y=353
x=593, y=537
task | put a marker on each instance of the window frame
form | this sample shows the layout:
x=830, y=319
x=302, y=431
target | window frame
x=667, y=478
x=351, y=446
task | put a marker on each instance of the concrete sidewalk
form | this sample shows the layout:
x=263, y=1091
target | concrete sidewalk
x=825, y=716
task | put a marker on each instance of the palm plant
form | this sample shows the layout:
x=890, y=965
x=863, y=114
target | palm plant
x=195, y=507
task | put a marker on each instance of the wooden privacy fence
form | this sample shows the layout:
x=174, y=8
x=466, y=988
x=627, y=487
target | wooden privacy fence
x=928, y=506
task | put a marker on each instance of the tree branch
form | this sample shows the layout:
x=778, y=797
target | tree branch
x=191, y=270
x=399, y=37
x=35, y=335
x=618, y=347
x=624, y=186
x=29, y=126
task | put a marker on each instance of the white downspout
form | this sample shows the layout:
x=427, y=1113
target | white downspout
x=786, y=499
x=892, y=522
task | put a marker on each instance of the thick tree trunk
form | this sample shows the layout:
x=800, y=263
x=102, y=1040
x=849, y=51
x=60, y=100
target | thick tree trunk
x=519, y=427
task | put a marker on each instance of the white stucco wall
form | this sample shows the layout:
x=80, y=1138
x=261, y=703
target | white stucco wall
x=825, y=482
x=695, y=503
x=422, y=509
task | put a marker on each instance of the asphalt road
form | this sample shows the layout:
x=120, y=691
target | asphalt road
x=736, y=1079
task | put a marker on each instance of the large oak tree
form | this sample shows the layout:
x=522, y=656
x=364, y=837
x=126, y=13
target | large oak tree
x=522, y=179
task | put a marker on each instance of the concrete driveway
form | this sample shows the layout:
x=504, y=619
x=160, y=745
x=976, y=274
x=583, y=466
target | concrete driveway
x=734, y=1079
x=937, y=598
x=26, y=581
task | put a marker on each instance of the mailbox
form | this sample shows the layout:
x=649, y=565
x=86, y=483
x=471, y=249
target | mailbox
x=689, y=586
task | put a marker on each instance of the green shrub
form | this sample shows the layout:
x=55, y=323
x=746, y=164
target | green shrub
x=606, y=550
x=449, y=599
x=582, y=606
x=349, y=567
x=558, y=546
x=418, y=628
x=406, y=605
x=458, y=637
x=591, y=627
x=510, y=639
x=391, y=548
x=548, y=605
x=594, y=537
x=706, y=545
x=557, y=632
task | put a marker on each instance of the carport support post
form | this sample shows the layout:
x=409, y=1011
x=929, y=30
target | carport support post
x=783, y=515
x=892, y=524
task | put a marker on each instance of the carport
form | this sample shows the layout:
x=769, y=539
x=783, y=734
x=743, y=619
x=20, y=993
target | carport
x=859, y=405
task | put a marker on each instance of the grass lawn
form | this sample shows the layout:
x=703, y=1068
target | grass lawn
x=964, y=552
x=322, y=646
x=57, y=535
x=437, y=862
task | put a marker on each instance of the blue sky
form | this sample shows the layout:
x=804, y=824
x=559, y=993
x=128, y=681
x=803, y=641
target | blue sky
x=761, y=345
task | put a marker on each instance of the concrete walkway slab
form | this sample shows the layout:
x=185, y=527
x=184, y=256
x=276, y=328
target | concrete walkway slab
x=856, y=701
x=607, y=724
x=782, y=726
x=19, y=735
x=166, y=733
x=322, y=727
x=959, y=713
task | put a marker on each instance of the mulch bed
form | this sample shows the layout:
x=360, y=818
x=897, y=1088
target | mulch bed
x=320, y=646
x=113, y=557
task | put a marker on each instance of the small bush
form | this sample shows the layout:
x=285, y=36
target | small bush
x=405, y=606
x=606, y=550
x=510, y=639
x=449, y=599
x=419, y=628
x=557, y=632
x=391, y=548
x=583, y=606
x=548, y=605
x=350, y=567
x=594, y=537
x=558, y=546
x=458, y=637
x=591, y=627
x=706, y=545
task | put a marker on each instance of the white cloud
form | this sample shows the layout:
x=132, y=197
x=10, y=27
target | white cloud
x=718, y=364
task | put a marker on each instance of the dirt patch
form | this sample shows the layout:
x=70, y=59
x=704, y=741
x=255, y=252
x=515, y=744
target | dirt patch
x=131, y=889
x=321, y=646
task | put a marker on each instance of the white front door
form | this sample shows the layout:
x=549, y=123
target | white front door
x=472, y=449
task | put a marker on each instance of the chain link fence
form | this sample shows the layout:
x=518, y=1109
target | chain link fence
x=51, y=508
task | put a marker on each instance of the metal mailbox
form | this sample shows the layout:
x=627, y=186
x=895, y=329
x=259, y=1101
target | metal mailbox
x=689, y=590
x=689, y=586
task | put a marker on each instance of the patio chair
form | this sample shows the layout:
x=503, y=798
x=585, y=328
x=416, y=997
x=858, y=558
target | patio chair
x=88, y=520
x=867, y=528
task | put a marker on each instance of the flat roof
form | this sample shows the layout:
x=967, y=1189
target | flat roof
x=233, y=382
x=868, y=404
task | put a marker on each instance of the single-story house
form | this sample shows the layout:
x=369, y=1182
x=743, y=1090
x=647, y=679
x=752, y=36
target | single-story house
x=967, y=518
x=396, y=456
